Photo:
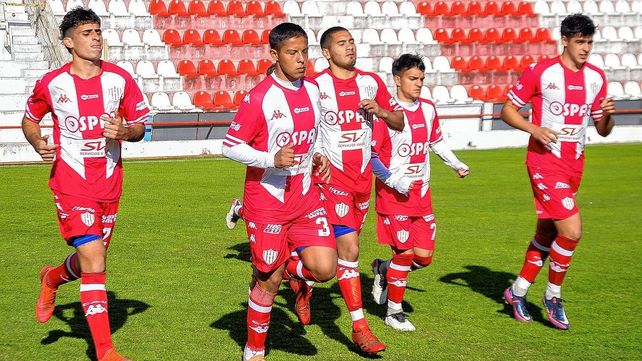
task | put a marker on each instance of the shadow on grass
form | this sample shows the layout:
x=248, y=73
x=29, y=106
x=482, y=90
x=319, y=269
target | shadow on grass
x=73, y=315
x=491, y=284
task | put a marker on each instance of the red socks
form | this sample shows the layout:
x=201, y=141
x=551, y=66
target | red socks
x=66, y=272
x=93, y=298
x=536, y=255
x=258, y=317
x=560, y=259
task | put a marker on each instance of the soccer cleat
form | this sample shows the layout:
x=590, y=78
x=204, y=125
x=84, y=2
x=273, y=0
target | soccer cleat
x=555, y=313
x=367, y=341
x=399, y=322
x=112, y=355
x=303, y=294
x=250, y=355
x=232, y=217
x=380, y=286
x=47, y=299
x=519, y=305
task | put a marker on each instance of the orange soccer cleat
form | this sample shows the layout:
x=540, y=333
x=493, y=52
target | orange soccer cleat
x=47, y=299
x=367, y=341
x=303, y=294
x=112, y=355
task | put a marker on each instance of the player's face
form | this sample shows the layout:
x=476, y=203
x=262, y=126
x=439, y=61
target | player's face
x=85, y=41
x=342, y=51
x=409, y=84
x=291, y=58
x=578, y=48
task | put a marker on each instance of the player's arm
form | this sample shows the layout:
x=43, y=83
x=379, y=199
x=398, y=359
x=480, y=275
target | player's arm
x=394, y=119
x=604, y=125
x=510, y=115
x=449, y=158
x=397, y=181
x=116, y=129
x=32, y=132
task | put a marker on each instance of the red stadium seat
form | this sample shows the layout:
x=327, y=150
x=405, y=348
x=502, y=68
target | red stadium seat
x=495, y=93
x=226, y=67
x=254, y=8
x=492, y=35
x=477, y=92
x=441, y=8
x=441, y=35
x=526, y=35
x=235, y=8
x=493, y=63
x=206, y=67
x=491, y=8
x=524, y=8
x=263, y=66
x=247, y=67
x=223, y=101
x=543, y=34
x=203, y=100
x=177, y=7
x=216, y=8
x=265, y=36
x=197, y=7
x=458, y=35
x=526, y=61
x=458, y=63
x=172, y=37
x=510, y=63
x=474, y=8
x=212, y=37
x=274, y=9
x=186, y=68
x=457, y=9
x=158, y=8
x=509, y=35
x=476, y=63
x=238, y=98
x=507, y=9
x=475, y=35
x=232, y=37
x=250, y=37
x=424, y=8
x=192, y=37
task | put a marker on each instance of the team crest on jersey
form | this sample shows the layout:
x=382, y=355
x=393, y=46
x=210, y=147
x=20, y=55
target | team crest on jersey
x=277, y=115
x=341, y=209
x=568, y=203
x=88, y=218
x=403, y=235
x=270, y=255
x=63, y=99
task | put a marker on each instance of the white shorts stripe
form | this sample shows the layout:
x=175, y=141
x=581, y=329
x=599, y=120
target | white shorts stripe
x=357, y=315
x=539, y=246
x=399, y=268
x=92, y=287
x=561, y=250
x=345, y=263
x=258, y=308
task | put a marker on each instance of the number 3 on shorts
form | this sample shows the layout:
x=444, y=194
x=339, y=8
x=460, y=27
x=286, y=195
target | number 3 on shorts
x=325, y=230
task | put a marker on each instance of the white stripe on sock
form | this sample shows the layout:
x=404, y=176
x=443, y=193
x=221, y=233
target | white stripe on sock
x=259, y=308
x=399, y=268
x=356, y=315
x=560, y=250
x=92, y=287
x=539, y=246
x=345, y=263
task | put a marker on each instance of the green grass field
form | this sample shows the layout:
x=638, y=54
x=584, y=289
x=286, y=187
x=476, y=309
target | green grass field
x=178, y=278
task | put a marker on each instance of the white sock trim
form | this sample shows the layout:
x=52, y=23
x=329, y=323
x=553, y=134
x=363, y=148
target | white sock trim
x=539, y=246
x=553, y=290
x=520, y=287
x=258, y=308
x=356, y=315
x=395, y=307
x=68, y=266
x=92, y=287
x=345, y=263
x=399, y=268
x=562, y=251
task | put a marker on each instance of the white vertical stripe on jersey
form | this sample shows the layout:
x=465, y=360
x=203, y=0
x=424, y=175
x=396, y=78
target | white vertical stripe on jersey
x=593, y=82
x=69, y=141
x=553, y=75
x=328, y=133
x=367, y=90
x=113, y=86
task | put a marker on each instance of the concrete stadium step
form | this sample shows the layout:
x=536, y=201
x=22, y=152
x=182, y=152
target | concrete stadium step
x=14, y=102
x=34, y=73
x=13, y=69
x=12, y=85
x=12, y=118
x=22, y=30
x=26, y=48
x=24, y=40
x=29, y=56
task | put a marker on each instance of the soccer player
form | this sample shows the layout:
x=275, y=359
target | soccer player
x=401, y=162
x=273, y=133
x=88, y=99
x=350, y=99
x=564, y=93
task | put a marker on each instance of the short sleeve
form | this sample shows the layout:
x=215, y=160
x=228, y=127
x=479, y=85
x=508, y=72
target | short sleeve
x=596, y=109
x=525, y=87
x=38, y=104
x=246, y=122
x=383, y=97
x=133, y=107
x=379, y=135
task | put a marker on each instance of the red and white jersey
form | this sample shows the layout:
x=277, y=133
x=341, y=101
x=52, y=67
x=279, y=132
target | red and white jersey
x=270, y=117
x=87, y=164
x=345, y=132
x=562, y=100
x=407, y=152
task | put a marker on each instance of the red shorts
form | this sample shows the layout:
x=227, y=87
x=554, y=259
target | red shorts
x=404, y=232
x=345, y=208
x=271, y=244
x=80, y=216
x=554, y=193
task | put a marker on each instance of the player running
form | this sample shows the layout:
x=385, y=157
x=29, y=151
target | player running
x=401, y=162
x=87, y=99
x=273, y=133
x=564, y=93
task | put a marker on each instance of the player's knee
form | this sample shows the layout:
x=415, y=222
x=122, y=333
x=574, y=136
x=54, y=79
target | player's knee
x=325, y=274
x=421, y=261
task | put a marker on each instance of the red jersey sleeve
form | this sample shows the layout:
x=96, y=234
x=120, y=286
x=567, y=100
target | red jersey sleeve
x=383, y=97
x=38, y=104
x=596, y=109
x=133, y=107
x=525, y=88
x=435, y=133
x=246, y=123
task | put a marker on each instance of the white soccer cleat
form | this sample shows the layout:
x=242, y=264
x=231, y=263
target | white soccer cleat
x=399, y=322
x=379, y=286
x=232, y=217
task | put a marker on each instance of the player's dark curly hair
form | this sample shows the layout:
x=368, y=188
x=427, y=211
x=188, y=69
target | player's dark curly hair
x=407, y=61
x=325, y=37
x=77, y=16
x=283, y=32
x=577, y=24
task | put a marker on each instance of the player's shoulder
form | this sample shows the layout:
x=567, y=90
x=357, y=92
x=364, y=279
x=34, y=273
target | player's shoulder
x=323, y=75
x=595, y=68
x=424, y=101
x=369, y=74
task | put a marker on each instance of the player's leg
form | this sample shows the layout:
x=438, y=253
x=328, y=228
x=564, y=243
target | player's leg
x=234, y=213
x=269, y=251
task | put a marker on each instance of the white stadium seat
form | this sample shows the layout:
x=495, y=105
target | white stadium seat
x=616, y=90
x=182, y=101
x=98, y=6
x=441, y=95
x=160, y=101
x=632, y=89
x=127, y=66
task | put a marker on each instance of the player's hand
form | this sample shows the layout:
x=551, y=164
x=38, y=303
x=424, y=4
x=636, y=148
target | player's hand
x=285, y=156
x=371, y=107
x=545, y=135
x=322, y=164
x=608, y=106
x=47, y=151
x=463, y=172
x=114, y=128
x=400, y=183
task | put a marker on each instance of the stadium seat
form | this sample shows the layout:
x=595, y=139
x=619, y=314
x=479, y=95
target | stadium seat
x=459, y=63
x=158, y=8
x=385, y=64
x=477, y=92
x=263, y=65
x=246, y=67
x=98, y=6
x=207, y=67
x=182, y=101
x=73, y=4
x=137, y=8
x=495, y=93
x=203, y=100
x=615, y=89
x=459, y=94
x=57, y=7
x=172, y=37
x=186, y=68
x=441, y=95
x=197, y=8
x=131, y=37
x=126, y=65
x=226, y=67
x=216, y=8
x=238, y=98
x=424, y=8
x=222, y=101
x=574, y=7
x=192, y=38
x=160, y=101
x=425, y=93
x=632, y=89
x=232, y=37
x=320, y=64
x=177, y=8
x=272, y=8
x=145, y=69
x=111, y=37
